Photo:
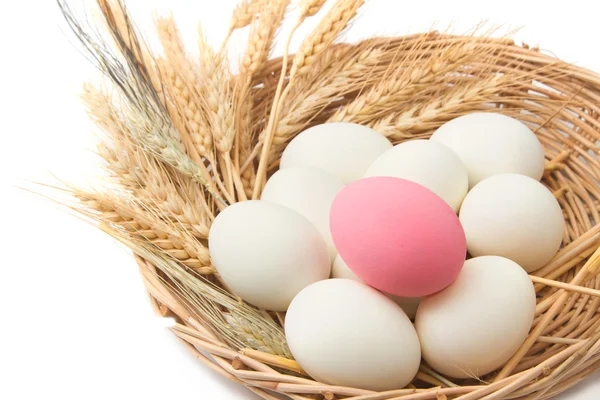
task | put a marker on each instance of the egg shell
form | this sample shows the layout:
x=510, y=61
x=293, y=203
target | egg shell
x=310, y=192
x=266, y=253
x=397, y=236
x=340, y=269
x=490, y=144
x=513, y=216
x=343, y=149
x=345, y=333
x=478, y=322
x=428, y=163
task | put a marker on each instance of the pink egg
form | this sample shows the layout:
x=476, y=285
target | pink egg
x=398, y=236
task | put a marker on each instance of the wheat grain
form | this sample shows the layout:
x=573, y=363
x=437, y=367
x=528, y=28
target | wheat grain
x=244, y=13
x=309, y=8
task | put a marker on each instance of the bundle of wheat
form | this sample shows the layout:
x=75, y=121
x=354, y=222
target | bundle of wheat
x=183, y=138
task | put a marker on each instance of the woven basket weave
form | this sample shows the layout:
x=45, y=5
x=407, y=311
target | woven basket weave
x=564, y=345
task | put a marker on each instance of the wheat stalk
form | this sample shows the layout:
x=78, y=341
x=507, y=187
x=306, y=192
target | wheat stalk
x=307, y=104
x=351, y=70
x=309, y=100
x=312, y=47
x=259, y=46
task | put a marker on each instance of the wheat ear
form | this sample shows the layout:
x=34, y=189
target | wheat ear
x=242, y=325
x=186, y=81
x=424, y=117
x=403, y=86
x=243, y=15
x=324, y=34
x=147, y=223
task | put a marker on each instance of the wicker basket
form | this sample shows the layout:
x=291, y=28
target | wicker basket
x=559, y=101
x=564, y=344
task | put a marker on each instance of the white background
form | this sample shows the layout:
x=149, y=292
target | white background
x=75, y=322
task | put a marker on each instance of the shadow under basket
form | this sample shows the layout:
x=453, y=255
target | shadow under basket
x=561, y=104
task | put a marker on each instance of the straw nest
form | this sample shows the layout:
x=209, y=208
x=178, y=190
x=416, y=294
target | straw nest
x=183, y=137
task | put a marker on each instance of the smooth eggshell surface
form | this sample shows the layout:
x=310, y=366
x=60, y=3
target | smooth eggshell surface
x=339, y=269
x=343, y=149
x=343, y=332
x=266, y=253
x=310, y=192
x=490, y=144
x=477, y=323
x=513, y=216
x=427, y=163
x=397, y=236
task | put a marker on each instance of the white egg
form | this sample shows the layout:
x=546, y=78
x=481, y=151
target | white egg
x=341, y=270
x=428, y=163
x=489, y=144
x=343, y=332
x=478, y=322
x=343, y=149
x=512, y=216
x=266, y=253
x=310, y=192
